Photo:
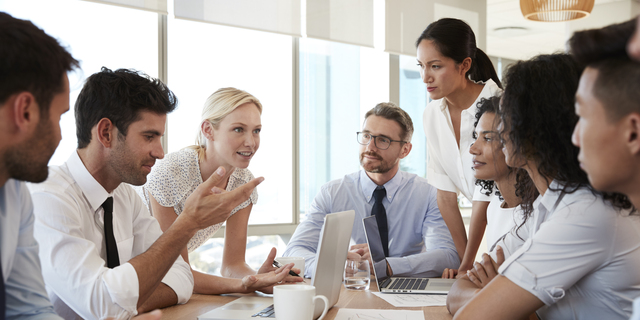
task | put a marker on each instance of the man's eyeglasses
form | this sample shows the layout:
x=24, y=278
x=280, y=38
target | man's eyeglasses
x=381, y=142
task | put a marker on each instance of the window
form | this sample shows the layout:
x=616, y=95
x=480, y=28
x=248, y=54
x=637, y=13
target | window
x=413, y=99
x=88, y=31
x=205, y=57
x=339, y=83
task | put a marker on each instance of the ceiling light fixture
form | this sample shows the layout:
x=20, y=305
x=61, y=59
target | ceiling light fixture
x=556, y=10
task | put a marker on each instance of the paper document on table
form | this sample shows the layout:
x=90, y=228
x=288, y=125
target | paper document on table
x=413, y=300
x=378, y=314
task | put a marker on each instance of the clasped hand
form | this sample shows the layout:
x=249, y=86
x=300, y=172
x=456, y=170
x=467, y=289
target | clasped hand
x=483, y=272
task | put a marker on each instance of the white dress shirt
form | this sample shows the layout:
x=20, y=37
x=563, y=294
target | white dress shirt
x=69, y=227
x=420, y=243
x=449, y=168
x=581, y=257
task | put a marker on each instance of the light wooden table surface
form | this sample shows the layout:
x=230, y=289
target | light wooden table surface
x=199, y=304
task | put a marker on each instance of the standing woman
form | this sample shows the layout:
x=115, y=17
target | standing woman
x=457, y=75
x=229, y=137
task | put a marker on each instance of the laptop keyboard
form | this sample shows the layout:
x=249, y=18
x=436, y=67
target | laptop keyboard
x=408, y=284
x=267, y=312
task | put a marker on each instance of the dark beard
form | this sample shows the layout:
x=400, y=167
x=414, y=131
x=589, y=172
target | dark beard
x=28, y=162
x=384, y=167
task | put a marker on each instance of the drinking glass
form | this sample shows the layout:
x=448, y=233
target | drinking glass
x=356, y=275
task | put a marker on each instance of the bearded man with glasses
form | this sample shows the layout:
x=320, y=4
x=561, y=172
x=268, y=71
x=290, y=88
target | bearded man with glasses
x=414, y=236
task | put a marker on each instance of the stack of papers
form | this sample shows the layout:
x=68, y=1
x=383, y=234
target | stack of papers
x=413, y=300
x=376, y=314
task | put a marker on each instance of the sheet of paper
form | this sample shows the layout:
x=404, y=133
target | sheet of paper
x=413, y=300
x=378, y=314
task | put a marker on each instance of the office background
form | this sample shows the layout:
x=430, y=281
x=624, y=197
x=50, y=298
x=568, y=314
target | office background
x=316, y=65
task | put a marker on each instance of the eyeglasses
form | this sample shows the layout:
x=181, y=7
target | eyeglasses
x=381, y=142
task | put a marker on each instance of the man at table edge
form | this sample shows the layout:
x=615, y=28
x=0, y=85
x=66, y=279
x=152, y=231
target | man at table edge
x=419, y=243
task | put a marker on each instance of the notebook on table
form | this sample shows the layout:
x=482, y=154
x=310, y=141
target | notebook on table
x=388, y=284
x=327, y=277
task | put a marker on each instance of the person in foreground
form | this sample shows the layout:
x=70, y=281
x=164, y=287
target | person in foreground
x=31, y=104
x=457, y=75
x=578, y=241
x=229, y=137
x=103, y=254
x=34, y=93
x=417, y=242
x=608, y=130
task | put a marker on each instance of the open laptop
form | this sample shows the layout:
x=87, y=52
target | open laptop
x=327, y=277
x=397, y=284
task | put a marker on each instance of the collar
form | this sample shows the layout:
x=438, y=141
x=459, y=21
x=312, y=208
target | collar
x=91, y=188
x=551, y=197
x=486, y=92
x=368, y=186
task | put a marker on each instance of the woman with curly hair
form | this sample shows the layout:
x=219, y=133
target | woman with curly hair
x=578, y=241
x=493, y=175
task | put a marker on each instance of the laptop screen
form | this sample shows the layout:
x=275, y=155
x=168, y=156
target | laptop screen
x=375, y=248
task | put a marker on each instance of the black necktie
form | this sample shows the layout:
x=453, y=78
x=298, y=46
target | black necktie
x=381, y=217
x=3, y=294
x=112, y=249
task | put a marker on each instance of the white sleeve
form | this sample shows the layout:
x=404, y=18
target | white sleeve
x=72, y=266
x=146, y=231
x=436, y=174
x=570, y=244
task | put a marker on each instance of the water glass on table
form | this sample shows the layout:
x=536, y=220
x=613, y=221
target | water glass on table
x=356, y=275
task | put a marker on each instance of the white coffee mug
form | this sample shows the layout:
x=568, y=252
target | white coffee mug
x=298, y=262
x=297, y=302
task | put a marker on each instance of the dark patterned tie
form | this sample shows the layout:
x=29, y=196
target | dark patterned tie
x=381, y=217
x=3, y=294
x=112, y=249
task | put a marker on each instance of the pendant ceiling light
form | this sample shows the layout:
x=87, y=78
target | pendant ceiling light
x=556, y=10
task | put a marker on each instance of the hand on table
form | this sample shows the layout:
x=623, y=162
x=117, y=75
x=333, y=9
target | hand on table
x=483, y=272
x=449, y=273
x=268, y=276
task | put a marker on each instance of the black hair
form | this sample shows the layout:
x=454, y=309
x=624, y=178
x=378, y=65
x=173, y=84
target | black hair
x=31, y=60
x=455, y=39
x=618, y=77
x=490, y=105
x=391, y=111
x=119, y=96
x=538, y=112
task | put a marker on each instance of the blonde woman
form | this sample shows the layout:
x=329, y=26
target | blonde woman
x=229, y=137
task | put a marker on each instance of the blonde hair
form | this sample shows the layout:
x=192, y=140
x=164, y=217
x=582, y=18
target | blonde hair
x=220, y=104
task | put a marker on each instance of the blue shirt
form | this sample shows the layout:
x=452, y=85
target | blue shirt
x=25, y=291
x=420, y=243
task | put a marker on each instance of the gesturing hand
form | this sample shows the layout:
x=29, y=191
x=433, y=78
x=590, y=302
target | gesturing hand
x=482, y=273
x=209, y=205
